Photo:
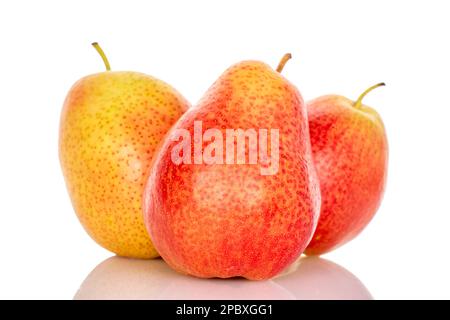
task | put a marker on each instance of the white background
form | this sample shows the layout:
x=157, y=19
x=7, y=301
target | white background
x=338, y=47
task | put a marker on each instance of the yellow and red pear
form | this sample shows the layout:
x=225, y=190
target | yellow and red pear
x=222, y=218
x=351, y=157
x=111, y=124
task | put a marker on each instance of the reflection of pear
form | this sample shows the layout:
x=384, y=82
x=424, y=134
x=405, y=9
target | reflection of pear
x=308, y=278
x=224, y=289
x=316, y=278
x=123, y=278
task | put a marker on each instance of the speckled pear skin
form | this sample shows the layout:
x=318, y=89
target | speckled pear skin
x=227, y=220
x=351, y=156
x=111, y=125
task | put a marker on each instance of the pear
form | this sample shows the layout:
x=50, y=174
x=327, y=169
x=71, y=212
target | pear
x=111, y=125
x=350, y=150
x=233, y=190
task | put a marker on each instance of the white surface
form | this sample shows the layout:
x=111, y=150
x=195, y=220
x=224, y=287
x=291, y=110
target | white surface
x=338, y=47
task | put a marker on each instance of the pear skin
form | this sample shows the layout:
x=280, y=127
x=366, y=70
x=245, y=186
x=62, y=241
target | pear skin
x=350, y=151
x=111, y=125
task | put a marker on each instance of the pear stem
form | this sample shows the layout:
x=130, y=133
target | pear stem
x=283, y=61
x=358, y=102
x=102, y=54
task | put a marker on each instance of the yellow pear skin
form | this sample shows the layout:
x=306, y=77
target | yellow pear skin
x=111, y=125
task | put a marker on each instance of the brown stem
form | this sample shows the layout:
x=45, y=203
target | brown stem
x=283, y=61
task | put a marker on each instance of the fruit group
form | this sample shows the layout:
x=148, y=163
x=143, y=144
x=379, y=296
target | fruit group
x=350, y=153
x=111, y=124
x=224, y=219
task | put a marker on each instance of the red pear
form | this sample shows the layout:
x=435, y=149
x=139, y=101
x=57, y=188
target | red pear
x=351, y=156
x=253, y=215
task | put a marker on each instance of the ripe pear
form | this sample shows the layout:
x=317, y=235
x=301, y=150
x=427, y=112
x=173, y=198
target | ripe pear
x=222, y=211
x=111, y=125
x=351, y=157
